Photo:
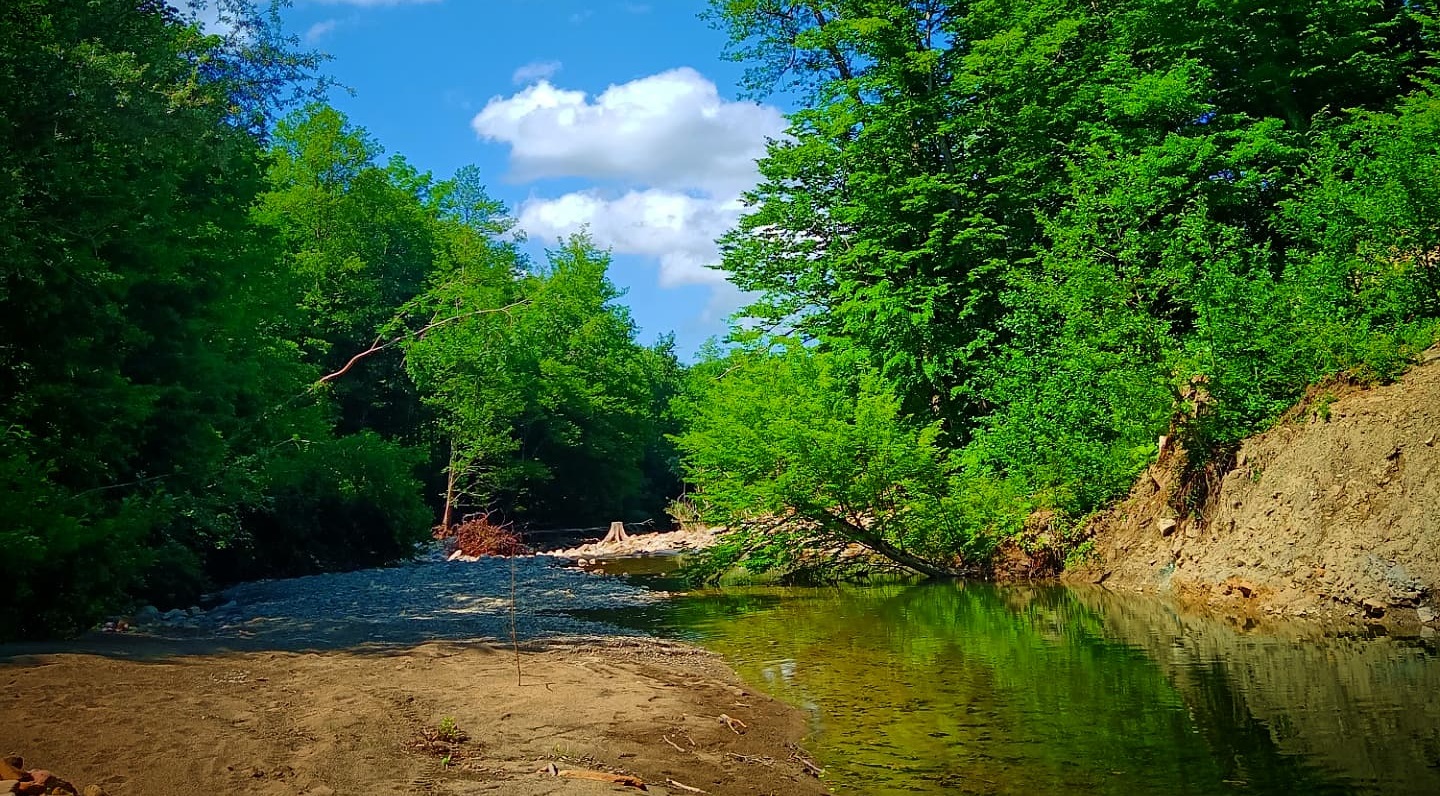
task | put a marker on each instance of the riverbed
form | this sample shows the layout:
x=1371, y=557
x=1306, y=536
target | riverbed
x=929, y=688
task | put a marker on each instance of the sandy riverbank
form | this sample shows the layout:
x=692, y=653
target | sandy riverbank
x=322, y=686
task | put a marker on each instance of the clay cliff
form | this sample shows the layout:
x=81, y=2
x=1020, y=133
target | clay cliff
x=1334, y=512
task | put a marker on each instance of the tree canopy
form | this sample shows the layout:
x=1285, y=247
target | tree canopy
x=238, y=344
x=1048, y=227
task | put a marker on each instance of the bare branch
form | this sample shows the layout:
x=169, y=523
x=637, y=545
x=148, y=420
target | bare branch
x=379, y=346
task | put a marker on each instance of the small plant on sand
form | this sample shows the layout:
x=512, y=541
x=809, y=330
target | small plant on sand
x=445, y=740
x=449, y=732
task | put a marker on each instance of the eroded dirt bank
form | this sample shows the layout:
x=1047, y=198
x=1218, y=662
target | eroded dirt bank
x=328, y=685
x=1333, y=513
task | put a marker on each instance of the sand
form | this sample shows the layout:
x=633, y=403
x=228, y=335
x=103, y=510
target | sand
x=337, y=709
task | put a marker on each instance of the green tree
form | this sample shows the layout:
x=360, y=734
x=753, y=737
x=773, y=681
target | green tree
x=149, y=389
x=361, y=242
x=1042, y=224
x=550, y=407
x=804, y=452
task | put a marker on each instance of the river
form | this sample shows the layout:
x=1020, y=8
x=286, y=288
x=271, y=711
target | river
x=954, y=688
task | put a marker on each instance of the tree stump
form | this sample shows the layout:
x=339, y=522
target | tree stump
x=616, y=534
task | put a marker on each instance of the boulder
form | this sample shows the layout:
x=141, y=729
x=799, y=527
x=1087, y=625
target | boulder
x=12, y=768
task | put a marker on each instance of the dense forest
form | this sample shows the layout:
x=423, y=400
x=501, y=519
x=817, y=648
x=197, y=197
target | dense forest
x=1006, y=246
x=1002, y=249
x=239, y=342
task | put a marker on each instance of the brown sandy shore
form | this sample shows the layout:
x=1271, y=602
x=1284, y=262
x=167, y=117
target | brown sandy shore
x=268, y=699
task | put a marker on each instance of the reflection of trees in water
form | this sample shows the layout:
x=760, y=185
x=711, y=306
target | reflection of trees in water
x=975, y=688
x=1364, y=710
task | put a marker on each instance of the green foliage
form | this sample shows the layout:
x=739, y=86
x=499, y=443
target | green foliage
x=330, y=504
x=360, y=244
x=551, y=408
x=1056, y=231
x=156, y=411
x=804, y=451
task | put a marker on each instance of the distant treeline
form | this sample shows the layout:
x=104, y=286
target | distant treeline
x=237, y=343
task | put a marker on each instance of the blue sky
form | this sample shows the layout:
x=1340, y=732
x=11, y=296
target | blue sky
x=617, y=114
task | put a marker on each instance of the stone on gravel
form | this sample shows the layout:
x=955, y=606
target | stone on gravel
x=93, y=790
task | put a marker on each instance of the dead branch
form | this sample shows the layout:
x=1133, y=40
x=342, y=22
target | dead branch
x=683, y=786
x=802, y=757
x=381, y=343
x=604, y=776
x=753, y=760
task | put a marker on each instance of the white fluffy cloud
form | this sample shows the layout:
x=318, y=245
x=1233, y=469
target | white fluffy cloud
x=671, y=156
x=674, y=228
x=670, y=130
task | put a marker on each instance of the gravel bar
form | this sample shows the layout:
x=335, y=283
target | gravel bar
x=423, y=601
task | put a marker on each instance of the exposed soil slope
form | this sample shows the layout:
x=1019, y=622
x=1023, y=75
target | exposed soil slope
x=1333, y=512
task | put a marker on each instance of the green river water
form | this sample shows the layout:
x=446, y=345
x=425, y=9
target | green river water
x=929, y=688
